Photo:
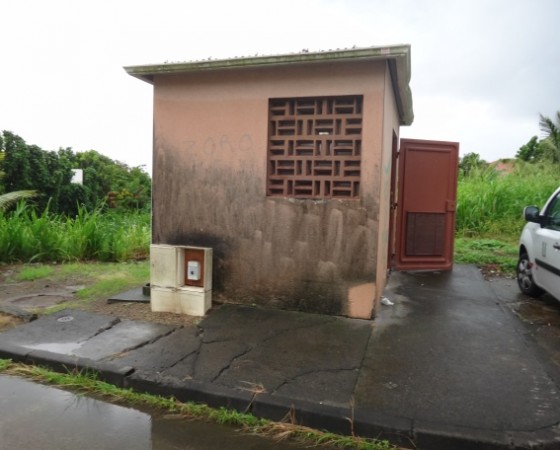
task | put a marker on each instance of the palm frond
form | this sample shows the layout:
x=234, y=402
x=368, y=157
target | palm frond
x=7, y=200
x=551, y=140
x=547, y=126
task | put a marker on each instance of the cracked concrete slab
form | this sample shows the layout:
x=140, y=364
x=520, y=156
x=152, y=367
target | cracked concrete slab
x=122, y=337
x=216, y=357
x=60, y=332
x=272, y=348
x=163, y=354
x=326, y=387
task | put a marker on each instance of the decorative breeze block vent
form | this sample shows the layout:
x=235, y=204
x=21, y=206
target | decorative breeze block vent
x=314, y=147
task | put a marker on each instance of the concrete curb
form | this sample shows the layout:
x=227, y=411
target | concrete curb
x=373, y=424
x=437, y=435
x=13, y=352
x=282, y=409
x=108, y=372
x=370, y=424
x=192, y=391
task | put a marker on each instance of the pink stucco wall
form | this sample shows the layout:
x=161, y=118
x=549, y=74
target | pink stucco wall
x=209, y=187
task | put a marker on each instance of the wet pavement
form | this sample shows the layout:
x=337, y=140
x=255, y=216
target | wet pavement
x=34, y=416
x=450, y=365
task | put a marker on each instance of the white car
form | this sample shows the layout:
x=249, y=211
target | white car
x=538, y=268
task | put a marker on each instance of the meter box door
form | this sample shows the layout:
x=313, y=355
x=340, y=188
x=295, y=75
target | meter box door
x=164, y=270
x=195, y=293
x=197, y=268
x=196, y=260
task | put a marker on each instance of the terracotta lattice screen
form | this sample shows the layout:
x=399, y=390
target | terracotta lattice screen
x=314, y=147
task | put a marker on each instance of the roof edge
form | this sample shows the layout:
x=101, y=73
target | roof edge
x=399, y=54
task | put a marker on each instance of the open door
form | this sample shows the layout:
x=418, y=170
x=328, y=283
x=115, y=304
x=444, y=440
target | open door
x=425, y=224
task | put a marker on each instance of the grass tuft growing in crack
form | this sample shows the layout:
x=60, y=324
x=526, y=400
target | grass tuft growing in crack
x=88, y=383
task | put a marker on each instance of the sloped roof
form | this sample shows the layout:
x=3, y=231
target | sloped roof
x=398, y=57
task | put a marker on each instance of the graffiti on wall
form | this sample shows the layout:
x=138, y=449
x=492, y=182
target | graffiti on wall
x=219, y=147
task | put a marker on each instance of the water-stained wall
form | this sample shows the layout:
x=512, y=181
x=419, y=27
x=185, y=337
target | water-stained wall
x=210, y=161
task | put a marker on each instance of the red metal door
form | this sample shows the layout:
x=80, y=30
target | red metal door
x=426, y=206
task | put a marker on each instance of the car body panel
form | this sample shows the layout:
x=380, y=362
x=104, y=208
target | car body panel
x=542, y=244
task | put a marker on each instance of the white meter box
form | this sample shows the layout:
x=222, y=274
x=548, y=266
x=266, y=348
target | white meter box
x=181, y=279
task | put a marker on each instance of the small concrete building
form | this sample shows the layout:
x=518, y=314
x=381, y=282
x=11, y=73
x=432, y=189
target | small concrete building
x=280, y=168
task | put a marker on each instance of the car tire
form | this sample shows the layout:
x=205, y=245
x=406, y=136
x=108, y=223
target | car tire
x=525, y=278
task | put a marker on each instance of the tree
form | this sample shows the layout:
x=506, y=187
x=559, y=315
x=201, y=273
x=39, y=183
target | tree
x=470, y=162
x=531, y=152
x=10, y=198
x=28, y=167
x=125, y=187
x=551, y=142
x=16, y=164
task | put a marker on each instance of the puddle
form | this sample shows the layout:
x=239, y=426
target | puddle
x=56, y=347
x=48, y=418
x=541, y=311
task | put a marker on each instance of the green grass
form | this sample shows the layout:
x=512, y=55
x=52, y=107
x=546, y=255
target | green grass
x=31, y=273
x=487, y=252
x=88, y=383
x=116, y=278
x=26, y=236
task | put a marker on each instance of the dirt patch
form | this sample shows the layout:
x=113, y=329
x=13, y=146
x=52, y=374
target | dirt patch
x=138, y=311
x=492, y=271
x=39, y=295
x=8, y=322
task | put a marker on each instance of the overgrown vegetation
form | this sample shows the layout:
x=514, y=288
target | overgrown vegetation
x=88, y=383
x=490, y=203
x=491, y=198
x=26, y=236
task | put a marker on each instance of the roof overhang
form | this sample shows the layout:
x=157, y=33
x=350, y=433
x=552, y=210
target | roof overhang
x=397, y=56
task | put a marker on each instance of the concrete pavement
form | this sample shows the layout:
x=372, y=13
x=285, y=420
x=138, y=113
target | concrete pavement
x=448, y=366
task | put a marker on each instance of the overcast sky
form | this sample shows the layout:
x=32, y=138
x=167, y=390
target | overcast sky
x=482, y=70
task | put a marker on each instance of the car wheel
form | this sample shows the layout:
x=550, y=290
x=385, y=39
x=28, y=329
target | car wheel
x=525, y=278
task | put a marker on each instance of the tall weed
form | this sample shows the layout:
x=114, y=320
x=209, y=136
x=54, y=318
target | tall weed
x=490, y=203
x=91, y=235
